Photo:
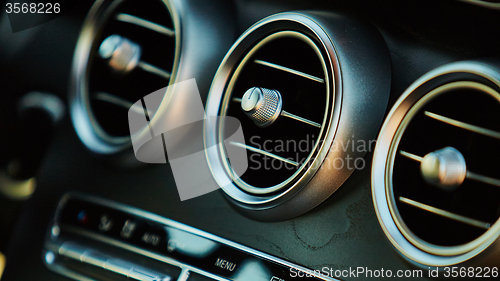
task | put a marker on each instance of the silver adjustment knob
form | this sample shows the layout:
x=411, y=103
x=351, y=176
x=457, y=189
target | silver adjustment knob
x=262, y=105
x=444, y=168
x=122, y=54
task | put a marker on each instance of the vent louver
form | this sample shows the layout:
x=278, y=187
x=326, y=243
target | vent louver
x=127, y=50
x=282, y=80
x=436, y=170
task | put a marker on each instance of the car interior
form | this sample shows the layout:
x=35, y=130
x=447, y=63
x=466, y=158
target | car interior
x=260, y=140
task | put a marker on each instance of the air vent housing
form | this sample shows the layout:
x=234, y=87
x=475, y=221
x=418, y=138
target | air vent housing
x=435, y=173
x=128, y=49
x=283, y=80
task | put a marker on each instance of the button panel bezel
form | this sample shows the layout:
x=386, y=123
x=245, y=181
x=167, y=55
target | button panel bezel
x=216, y=258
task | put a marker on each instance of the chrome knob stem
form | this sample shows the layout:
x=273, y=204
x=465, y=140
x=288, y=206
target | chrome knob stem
x=444, y=168
x=122, y=54
x=262, y=105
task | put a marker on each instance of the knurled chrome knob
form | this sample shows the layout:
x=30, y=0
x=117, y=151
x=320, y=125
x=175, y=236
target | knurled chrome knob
x=123, y=55
x=444, y=168
x=262, y=105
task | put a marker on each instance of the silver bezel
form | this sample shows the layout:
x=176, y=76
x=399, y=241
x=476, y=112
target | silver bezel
x=398, y=118
x=85, y=123
x=218, y=99
x=226, y=100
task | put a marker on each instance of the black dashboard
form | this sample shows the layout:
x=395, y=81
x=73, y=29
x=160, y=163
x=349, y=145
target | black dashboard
x=404, y=80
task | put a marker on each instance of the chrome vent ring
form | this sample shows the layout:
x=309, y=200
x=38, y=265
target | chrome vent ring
x=285, y=166
x=435, y=169
x=130, y=49
x=127, y=49
x=282, y=80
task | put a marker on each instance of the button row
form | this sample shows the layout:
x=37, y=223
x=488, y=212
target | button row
x=116, y=224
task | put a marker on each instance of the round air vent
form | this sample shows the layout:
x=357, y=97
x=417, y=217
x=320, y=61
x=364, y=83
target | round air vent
x=295, y=86
x=128, y=49
x=435, y=177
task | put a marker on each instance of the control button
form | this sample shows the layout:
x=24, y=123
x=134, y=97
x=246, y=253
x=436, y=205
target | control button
x=198, y=277
x=224, y=264
x=83, y=218
x=115, y=265
x=173, y=245
x=128, y=229
x=94, y=258
x=132, y=271
x=262, y=105
x=152, y=236
x=189, y=244
x=151, y=239
x=71, y=251
x=106, y=223
x=144, y=274
x=118, y=266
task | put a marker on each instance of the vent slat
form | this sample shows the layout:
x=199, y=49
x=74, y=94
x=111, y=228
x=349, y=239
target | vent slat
x=463, y=125
x=411, y=156
x=115, y=100
x=483, y=179
x=298, y=118
x=145, y=23
x=154, y=70
x=263, y=152
x=446, y=214
x=289, y=70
